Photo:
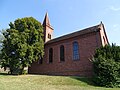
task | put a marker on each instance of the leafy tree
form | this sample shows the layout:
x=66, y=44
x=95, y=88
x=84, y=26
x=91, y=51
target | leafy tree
x=23, y=44
x=1, y=39
x=106, y=63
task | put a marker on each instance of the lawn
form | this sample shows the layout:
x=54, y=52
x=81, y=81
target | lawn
x=44, y=82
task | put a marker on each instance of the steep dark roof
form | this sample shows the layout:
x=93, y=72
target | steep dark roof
x=46, y=20
x=74, y=34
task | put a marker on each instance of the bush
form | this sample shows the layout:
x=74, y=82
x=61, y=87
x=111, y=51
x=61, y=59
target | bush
x=106, y=64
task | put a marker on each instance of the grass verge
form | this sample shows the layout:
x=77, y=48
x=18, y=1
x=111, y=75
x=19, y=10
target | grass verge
x=44, y=82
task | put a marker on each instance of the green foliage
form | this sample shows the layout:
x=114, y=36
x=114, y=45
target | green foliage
x=1, y=39
x=22, y=45
x=106, y=63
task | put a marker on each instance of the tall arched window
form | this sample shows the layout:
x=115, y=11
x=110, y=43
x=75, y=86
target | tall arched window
x=62, y=53
x=75, y=51
x=50, y=55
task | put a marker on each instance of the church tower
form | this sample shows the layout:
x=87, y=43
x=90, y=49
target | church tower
x=48, y=30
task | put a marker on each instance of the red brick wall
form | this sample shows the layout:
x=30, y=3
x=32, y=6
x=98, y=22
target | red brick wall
x=82, y=67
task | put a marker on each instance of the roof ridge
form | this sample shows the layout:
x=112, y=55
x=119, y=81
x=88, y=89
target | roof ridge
x=73, y=34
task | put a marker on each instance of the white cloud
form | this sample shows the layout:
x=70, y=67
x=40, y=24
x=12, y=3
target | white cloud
x=114, y=8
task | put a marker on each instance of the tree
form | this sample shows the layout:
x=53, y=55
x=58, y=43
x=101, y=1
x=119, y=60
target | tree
x=23, y=44
x=1, y=39
x=106, y=64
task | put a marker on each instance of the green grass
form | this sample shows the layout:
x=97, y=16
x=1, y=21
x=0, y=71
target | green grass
x=44, y=82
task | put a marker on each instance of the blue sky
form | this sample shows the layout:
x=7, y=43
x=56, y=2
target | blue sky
x=66, y=16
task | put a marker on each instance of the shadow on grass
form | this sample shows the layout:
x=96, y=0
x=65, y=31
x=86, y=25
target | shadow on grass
x=3, y=73
x=6, y=74
x=84, y=79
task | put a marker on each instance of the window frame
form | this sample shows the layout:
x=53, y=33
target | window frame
x=50, y=55
x=62, y=53
x=49, y=36
x=76, y=55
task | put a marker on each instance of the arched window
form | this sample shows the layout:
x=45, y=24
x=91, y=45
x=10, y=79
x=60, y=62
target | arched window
x=62, y=53
x=50, y=55
x=75, y=51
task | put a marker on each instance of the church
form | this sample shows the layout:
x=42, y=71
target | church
x=70, y=54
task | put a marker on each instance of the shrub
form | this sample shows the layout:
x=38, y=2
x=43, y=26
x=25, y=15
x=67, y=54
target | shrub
x=106, y=63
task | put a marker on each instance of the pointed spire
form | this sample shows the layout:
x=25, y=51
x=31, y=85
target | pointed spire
x=101, y=22
x=46, y=20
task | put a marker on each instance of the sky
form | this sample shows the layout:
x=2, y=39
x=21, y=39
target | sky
x=66, y=16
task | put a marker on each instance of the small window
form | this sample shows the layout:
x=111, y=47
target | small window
x=49, y=36
x=75, y=51
x=62, y=53
x=50, y=55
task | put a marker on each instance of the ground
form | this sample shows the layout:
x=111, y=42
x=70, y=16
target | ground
x=44, y=82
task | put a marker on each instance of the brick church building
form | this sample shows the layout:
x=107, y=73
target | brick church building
x=69, y=54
